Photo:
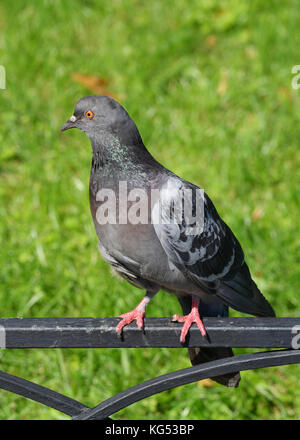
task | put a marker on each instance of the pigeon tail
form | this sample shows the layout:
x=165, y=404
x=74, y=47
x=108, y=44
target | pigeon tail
x=242, y=294
x=201, y=355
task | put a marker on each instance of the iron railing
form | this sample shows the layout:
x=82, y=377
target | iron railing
x=270, y=333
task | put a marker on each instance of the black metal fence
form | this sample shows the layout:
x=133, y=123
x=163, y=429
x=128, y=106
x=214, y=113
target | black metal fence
x=274, y=333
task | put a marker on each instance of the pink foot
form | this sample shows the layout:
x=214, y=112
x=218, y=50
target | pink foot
x=134, y=315
x=189, y=319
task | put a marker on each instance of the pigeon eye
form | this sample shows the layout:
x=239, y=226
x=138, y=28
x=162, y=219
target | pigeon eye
x=89, y=114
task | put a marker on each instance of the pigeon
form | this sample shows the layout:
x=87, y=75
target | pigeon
x=159, y=231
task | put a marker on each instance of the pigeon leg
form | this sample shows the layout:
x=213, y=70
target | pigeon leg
x=136, y=314
x=189, y=319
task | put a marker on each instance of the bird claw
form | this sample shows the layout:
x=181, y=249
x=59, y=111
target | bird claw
x=188, y=320
x=134, y=315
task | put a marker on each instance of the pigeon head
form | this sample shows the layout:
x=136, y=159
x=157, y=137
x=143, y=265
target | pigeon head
x=101, y=117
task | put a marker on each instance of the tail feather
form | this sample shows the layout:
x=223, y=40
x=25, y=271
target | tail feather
x=242, y=294
x=203, y=354
x=200, y=355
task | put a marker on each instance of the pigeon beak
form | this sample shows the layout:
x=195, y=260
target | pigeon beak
x=69, y=124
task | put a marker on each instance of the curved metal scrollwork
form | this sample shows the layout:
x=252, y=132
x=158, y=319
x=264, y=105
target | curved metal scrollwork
x=41, y=394
x=79, y=411
x=188, y=375
x=99, y=332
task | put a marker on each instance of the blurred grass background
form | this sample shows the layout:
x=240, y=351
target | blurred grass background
x=209, y=86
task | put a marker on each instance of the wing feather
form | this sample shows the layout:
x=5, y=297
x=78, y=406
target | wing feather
x=212, y=256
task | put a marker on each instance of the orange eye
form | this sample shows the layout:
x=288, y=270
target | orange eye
x=89, y=114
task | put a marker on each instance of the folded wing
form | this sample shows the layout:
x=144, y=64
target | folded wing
x=204, y=248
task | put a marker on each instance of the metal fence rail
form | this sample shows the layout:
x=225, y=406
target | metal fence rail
x=159, y=332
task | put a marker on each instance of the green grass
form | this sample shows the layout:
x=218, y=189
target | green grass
x=209, y=87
